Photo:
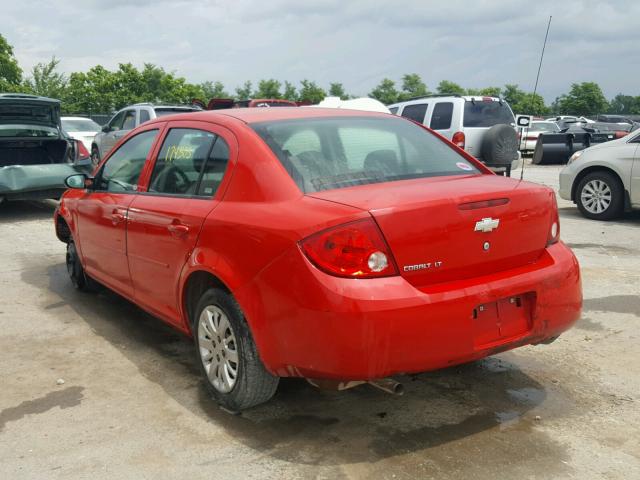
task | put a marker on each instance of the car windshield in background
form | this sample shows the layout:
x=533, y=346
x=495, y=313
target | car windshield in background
x=161, y=112
x=544, y=127
x=18, y=130
x=330, y=153
x=80, y=125
x=479, y=113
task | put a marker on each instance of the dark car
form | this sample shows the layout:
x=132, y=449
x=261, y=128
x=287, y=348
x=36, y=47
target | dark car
x=36, y=155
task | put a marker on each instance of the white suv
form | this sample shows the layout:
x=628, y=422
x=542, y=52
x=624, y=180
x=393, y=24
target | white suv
x=483, y=126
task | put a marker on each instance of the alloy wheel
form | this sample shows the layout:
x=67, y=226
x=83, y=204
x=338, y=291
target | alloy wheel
x=218, y=348
x=596, y=196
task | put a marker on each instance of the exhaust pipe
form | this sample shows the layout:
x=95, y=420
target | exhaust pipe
x=388, y=385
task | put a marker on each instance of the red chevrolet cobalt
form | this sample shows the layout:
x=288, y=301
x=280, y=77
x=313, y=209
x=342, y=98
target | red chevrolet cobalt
x=339, y=246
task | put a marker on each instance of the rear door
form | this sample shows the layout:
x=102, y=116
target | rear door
x=184, y=185
x=102, y=212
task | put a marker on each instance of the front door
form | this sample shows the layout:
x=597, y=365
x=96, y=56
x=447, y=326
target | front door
x=165, y=220
x=102, y=212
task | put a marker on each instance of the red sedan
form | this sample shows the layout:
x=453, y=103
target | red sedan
x=326, y=244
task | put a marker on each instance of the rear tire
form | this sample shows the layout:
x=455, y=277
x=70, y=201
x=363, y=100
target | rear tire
x=80, y=280
x=600, y=196
x=227, y=355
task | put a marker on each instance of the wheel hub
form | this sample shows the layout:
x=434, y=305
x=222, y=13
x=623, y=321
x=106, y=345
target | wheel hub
x=218, y=348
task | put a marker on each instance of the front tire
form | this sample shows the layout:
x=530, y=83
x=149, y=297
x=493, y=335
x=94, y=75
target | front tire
x=77, y=275
x=600, y=196
x=227, y=355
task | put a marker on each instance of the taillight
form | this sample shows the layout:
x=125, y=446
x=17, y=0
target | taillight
x=81, y=151
x=458, y=139
x=354, y=250
x=620, y=134
x=554, y=229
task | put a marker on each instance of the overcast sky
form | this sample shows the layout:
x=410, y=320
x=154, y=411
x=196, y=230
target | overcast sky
x=356, y=42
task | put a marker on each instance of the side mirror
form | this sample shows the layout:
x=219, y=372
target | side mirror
x=523, y=120
x=106, y=129
x=79, y=180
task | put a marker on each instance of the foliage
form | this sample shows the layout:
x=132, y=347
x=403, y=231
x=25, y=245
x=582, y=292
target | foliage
x=385, y=92
x=310, y=92
x=583, y=99
x=46, y=81
x=625, y=105
x=290, y=92
x=10, y=72
x=412, y=86
x=268, y=89
x=213, y=90
x=244, y=92
x=446, y=87
x=337, y=90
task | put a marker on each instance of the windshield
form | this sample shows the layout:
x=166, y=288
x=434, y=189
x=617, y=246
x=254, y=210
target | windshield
x=544, y=127
x=21, y=130
x=80, y=125
x=480, y=113
x=330, y=153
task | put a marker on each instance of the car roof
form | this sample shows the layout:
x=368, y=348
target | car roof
x=254, y=115
x=76, y=118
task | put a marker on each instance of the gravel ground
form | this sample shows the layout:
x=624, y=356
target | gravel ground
x=132, y=404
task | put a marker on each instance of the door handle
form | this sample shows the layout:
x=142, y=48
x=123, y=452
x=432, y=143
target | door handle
x=117, y=218
x=178, y=230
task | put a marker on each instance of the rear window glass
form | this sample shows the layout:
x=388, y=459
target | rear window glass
x=415, y=112
x=544, y=127
x=479, y=113
x=19, y=130
x=441, y=116
x=79, y=125
x=330, y=153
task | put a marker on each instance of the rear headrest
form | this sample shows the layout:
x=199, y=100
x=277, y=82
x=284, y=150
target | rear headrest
x=382, y=160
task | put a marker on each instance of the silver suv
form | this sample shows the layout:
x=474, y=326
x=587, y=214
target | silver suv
x=483, y=126
x=127, y=119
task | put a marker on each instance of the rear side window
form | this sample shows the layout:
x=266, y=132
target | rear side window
x=441, y=116
x=480, y=113
x=129, y=120
x=415, y=112
x=393, y=110
x=122, y=170
x=340, y=152
x=144, y=116
x=189, y=163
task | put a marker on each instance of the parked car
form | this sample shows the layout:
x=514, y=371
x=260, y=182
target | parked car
x=530, y=134
x=81, y=128
x=603, y=180
x=483, y=126
x=127, y=119
x=35, y=154
x=329, y=244
x=557, y=148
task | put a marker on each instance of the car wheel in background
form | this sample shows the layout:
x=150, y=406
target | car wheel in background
x=95, y=155
x=78, y=277
x=226, y=353
x=600, y=196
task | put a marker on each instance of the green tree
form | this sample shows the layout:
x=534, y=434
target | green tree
x=624, y=104
x=512, y=94
x=213, y=90
x=446, y=87
x=10, y=72
x=583, y=99
x=244, y=92
x=311, y=92
x=290, y=92
x=46, y=81
x=412, y=86
x=268, y=89
x=490, y=92
x=385, y=92
x=337, y=90
x=530, y=104
x=89, y=92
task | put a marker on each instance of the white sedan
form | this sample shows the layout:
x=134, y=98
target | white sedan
x=80, y=128
x=604, y=180
x=530, y=135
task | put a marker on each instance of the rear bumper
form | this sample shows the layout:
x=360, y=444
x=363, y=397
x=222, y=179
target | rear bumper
x=309, y=324
x=36, y=181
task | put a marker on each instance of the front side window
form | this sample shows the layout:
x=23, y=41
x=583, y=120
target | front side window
x=116, y=122
x=441, y=116
x=340, y=152
x=122, y=170
x=415, y=112
x=191, y=162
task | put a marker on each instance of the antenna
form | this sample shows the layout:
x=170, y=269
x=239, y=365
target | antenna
x=535, y=88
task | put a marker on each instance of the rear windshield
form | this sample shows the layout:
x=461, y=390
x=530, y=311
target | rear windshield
x=544, y=127
x=480, y=113
x=19, y=130
x=80, y=125
x=330, y=153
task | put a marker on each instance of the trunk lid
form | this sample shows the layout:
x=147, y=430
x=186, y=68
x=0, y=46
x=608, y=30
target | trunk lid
x=29, y=110
x=430, y=224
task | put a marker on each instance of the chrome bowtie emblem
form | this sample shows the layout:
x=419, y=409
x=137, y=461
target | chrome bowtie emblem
x=487, y=224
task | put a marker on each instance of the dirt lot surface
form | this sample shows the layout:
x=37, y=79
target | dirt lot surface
x=132, y=405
